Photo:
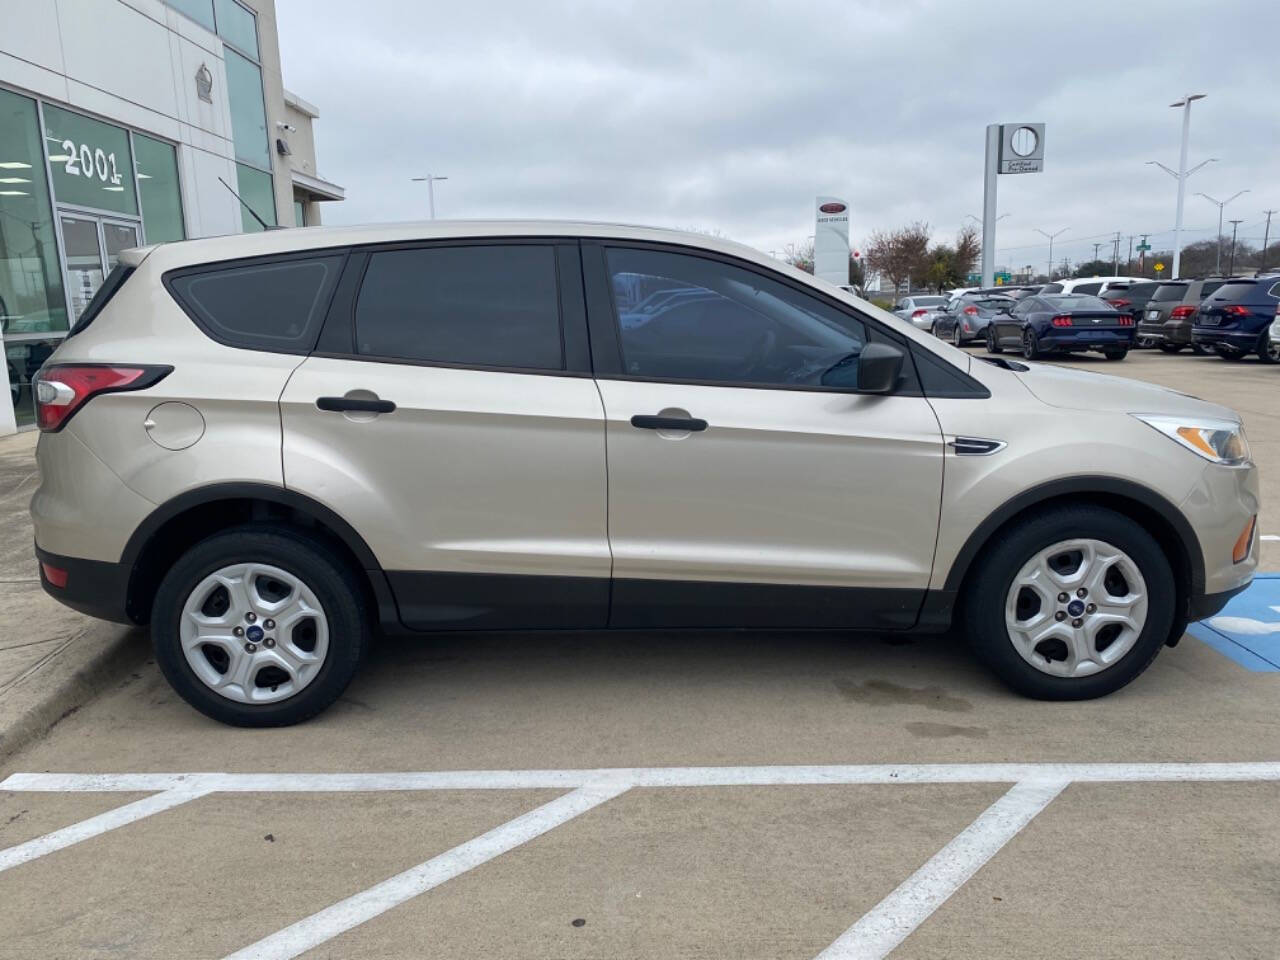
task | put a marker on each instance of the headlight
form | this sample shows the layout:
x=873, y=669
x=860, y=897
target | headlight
x=1221, y=441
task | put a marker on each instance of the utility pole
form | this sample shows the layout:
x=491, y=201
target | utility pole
x=1231, y=270
x=1095, y=252
x=1266, y=235
x=1115, y=256
x=1220, y=204
x=1128, y=264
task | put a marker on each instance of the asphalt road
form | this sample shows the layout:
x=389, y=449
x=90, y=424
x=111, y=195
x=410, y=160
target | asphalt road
x=815, y=830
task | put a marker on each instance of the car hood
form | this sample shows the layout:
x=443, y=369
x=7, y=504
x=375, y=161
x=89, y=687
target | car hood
x=1083, y=390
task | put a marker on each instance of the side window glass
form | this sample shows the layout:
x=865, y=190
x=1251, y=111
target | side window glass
x=683, y=317
x=495, y=306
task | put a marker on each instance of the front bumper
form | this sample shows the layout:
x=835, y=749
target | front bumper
x=1220, y=506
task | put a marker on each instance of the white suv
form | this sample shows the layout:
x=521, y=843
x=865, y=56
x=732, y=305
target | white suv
x=270, y=446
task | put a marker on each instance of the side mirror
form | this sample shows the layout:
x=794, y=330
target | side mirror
x=879, y=367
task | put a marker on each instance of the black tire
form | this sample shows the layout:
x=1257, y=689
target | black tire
x=1199, y=350
x=1115, y=354
x=956, y=339
x=332, y=581
x=1171, y=347
x=993, y=345
x=1031, y=345
x=988, y=585
x=1227, y=353
x=1265, y=353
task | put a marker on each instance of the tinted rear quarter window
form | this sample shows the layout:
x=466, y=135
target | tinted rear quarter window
x=273, y=305
x=472, y=305
x=1209, y=287
x=1233, y=291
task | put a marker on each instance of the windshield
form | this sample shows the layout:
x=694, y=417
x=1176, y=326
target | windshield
x=928, y=301
x=1075, y=301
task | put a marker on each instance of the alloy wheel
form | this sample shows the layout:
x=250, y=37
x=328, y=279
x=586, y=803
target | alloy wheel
x=1076, y=608
x=254, y=633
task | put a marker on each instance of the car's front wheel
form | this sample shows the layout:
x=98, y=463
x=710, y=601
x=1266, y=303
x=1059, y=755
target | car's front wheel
x=1070, y=604
x=259, y=626
x=956, y=339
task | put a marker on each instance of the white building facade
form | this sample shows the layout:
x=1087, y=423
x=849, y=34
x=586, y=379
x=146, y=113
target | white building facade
x=129, y=122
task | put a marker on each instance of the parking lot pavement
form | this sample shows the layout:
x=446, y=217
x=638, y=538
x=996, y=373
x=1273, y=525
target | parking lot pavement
x=798, y=794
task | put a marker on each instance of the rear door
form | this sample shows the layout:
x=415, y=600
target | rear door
x=450, y=417
x=743, y=492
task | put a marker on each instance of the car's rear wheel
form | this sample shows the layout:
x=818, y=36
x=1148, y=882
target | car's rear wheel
x=1070, y=604
x=1171, y=347
x=1031, y=345
x=993, y=345
x=956, y=339
x=1116, y=354
x=1268, y=352
x=259, y=626
x=1229, y=353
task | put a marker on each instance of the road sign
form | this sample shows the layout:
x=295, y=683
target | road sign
x=973, y=279
x=1142, y=247
x=1159, y=268
x=1003, y=278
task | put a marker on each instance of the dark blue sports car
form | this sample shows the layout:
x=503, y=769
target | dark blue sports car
x=1062, y=323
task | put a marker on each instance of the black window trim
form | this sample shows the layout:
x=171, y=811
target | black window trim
x=219, y=266
x=606, y=346
x=340, y=329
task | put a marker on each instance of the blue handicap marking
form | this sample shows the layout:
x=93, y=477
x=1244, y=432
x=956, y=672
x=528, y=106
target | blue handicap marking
x=1248, y=628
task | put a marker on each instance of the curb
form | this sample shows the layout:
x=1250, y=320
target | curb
x=91, y=661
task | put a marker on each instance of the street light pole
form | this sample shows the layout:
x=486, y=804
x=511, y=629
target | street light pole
x=430, y=180
x=1217, y=268
x=1181, y=175
x=1051, y=236
x=1231, y=270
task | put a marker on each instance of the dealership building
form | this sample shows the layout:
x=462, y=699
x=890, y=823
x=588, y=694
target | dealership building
x=130, y=122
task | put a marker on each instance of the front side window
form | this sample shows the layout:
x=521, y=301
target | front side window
x=274, y=305
x=485, y=306
x=684, y=317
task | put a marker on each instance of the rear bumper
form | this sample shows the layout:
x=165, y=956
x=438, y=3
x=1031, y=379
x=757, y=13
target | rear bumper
x=1098, y=340
x=1179, y=333
x=1215, y=336
x=94, y=587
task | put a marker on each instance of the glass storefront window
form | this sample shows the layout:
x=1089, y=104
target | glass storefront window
x=238, y=26
x=157, y=166
x=258, y=191
x=248, y=111
x=22, y=360
x=91, y=162
x=201, y=11
x=31, y=297
x=84, y=260
x=299, y=214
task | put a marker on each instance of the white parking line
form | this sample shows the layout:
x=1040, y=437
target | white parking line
x=94, y=826
x=893, y=919
x=875, y=935
x=1269, y=536
x=355, y=910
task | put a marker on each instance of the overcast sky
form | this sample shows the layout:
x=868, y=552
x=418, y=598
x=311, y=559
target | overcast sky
x=732, y=116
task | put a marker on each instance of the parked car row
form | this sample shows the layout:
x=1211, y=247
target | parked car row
x=1230, y=316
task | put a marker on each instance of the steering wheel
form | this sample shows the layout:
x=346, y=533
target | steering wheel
x=760, y=352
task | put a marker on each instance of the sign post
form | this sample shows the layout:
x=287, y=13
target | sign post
x=1011, y=148
x=831, y=240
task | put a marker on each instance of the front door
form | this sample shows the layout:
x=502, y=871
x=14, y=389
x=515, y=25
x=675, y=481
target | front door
x=742, y=490
x=455, y=425
x=91, y=247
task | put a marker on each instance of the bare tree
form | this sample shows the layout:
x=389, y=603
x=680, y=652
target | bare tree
x=968, y=249
x=900, y=254
x=799, y=255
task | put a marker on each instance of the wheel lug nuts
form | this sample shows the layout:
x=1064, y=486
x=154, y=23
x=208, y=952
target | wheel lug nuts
x=250, y=648
x=1060, y=616
x=238, y=631
x=1090, y=608
x=251, y=617
x=269, y=624
x=1077, y=623
x=269, y=642
x=1082, y=592
x=1062, y=598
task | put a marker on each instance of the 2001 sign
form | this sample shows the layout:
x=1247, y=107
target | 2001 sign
x=84, y=161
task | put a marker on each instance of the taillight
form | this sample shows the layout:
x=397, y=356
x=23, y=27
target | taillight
x=971, y=311
x=1181, y=313
x=63, y=389
x=1121, y=304
x=918, y=313
x=1235, y=310
x=1061, y=321
x=1126, y=321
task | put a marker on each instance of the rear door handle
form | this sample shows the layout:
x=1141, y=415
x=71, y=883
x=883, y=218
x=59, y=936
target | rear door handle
x=692, y=424
x=358, y=404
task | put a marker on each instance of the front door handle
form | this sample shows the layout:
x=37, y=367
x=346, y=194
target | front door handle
x=355, y=404
x=692, y=424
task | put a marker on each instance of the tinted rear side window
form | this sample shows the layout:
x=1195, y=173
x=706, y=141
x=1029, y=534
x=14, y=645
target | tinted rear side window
x=493, y=306
x=1234, y=290
x=274, y=305
x=1209, y=287
x=1169, y=292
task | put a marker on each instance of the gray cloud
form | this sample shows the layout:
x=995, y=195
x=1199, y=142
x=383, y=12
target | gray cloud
x=734, y=115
